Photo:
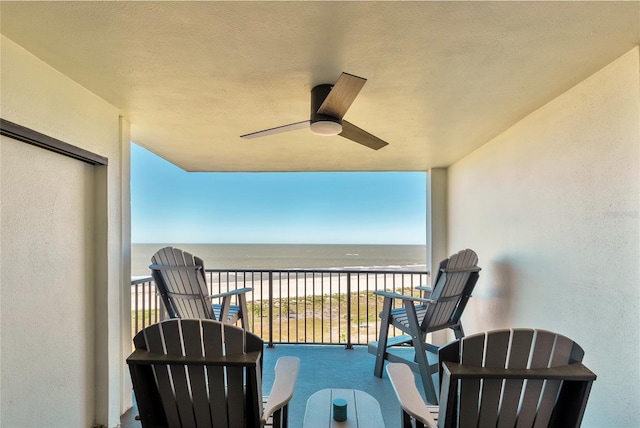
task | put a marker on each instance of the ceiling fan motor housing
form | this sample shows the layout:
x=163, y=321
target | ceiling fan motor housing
x=322, y=124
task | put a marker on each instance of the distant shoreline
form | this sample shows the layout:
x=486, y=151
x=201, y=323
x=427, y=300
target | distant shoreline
x=164, y=244
x=289, y=256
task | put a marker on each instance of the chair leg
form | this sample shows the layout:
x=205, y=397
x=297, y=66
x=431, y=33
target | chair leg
x=385, y=316
x=421, y=354
x=458, y=331
x=224, y=309
x=244, y=320
x=406, y=420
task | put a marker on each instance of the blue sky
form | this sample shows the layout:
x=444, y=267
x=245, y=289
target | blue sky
x=169, y=205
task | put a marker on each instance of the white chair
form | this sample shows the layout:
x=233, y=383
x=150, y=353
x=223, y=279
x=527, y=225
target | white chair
x=440, y=308
x=180, y=279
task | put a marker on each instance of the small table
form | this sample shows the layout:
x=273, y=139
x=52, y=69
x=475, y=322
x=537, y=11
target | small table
x=363, y=411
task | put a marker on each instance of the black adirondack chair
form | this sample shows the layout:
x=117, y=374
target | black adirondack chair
x=206, y=374
x=504, y=378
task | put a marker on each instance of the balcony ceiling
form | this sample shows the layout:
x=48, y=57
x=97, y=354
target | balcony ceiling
x=443, y=77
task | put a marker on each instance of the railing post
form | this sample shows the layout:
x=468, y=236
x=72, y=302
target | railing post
x=137, y=312
x=349, y=344
x=270, y=345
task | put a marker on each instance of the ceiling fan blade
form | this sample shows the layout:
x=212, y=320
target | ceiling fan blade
x=353, y=133
x=342, y=95
x=277, y=130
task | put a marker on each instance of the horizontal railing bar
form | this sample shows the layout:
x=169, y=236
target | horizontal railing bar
x=336, y=270
x=329, y=306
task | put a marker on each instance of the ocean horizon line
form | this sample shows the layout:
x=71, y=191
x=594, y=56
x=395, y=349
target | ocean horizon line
x=274, y=243
x=288, y=256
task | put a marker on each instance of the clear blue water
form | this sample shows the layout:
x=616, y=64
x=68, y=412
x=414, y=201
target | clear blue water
x=289, y=256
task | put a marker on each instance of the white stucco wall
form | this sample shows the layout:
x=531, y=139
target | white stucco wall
x=47, y=338
x=38, y=97
x=552, y=208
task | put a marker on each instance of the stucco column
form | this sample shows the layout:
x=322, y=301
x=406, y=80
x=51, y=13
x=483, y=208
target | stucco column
x=436, y=217
x=125, y=300
x=437, y=232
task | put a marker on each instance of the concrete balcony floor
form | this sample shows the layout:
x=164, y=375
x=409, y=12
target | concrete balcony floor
x=325, y=367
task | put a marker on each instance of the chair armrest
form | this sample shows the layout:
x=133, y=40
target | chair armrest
x=404, y=385
x=427, y=290
x=229, y=293
x=144, y=357
x=570, y=372
x=282, y=390
x=402, y=297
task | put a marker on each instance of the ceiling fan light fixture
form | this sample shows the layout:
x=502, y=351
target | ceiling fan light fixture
x=329, y=103
x=326, y=127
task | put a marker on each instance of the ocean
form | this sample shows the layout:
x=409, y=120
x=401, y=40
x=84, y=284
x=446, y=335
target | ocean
x=290, y=256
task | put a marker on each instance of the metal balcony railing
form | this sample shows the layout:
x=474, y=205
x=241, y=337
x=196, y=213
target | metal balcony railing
x=146, y=306
x=297, y=306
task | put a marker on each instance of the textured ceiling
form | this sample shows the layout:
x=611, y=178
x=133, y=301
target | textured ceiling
x=443, y=77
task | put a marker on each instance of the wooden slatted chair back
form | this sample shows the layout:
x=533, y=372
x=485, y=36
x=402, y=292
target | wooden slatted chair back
x=182, y=286
x=509, y=402
x=440, y=308
x=456, y=278
x=223, y=393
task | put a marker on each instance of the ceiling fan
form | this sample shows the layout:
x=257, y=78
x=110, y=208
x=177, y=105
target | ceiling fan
x=329, y=104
